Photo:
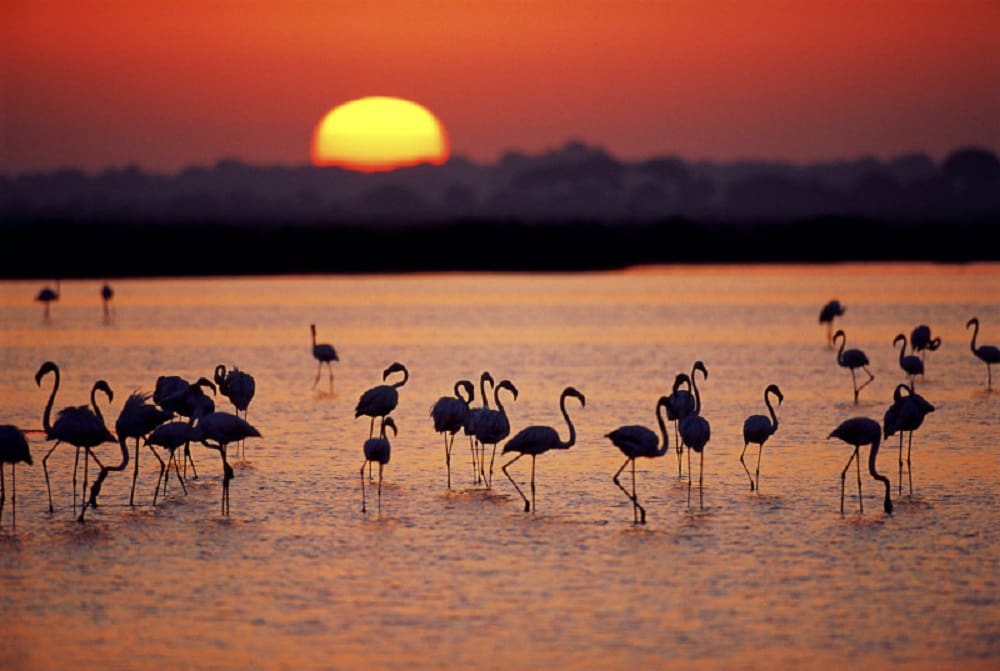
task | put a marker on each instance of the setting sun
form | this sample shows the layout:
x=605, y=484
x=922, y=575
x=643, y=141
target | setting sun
x=379, y=133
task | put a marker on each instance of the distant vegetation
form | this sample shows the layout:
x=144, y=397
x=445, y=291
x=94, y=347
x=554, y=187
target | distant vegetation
x=575, y=208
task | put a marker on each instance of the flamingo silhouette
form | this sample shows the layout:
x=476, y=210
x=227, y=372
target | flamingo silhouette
x=911, y=365
x=137, y=418
x=535, y=440
x=170, y=436
x=185, y=399
x=80, y=426
x=921, y=340
x=324, y=353
x=472, y=418
x=695, y=433
x=47, y=295
x=107, y=293
x=449, y=413
x=906, y=414
x=682, y=404
x=827, y=314
x=492, y=426
x=757, y=429
x=381, y=400
x=239, y=387
x=13, y=449
x=377, y=450
x=988, y=354
x=852, y=359
x=216, y=431
x=634, y=441
x=859, y=431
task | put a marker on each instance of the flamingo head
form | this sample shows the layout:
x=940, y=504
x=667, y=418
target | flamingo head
x=46, y=368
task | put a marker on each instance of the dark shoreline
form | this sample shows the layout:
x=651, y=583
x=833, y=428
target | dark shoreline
x=68, y=249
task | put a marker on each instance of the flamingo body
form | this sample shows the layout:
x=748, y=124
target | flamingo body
x=635, y=441
x=988, y=354
x=13, y=450
x=757, y=429
x=858, y=431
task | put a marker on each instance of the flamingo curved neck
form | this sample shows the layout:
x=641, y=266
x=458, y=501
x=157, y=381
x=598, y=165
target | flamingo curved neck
x=975, y=332
x=665, y=442
x=770, y=409
x=47, y=417
x=697, y=396
x=887, y=503
x=572, y=429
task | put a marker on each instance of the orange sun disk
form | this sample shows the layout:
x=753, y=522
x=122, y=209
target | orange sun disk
x=379, y=133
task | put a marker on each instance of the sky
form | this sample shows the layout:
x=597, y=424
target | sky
x=164, y=85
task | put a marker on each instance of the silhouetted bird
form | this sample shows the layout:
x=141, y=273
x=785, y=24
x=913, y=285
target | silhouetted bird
x=852, y=359
x=695, y=433
x=682, y=404
x=324, y=353
x=46, y=296
x=13, y=449
x=757, y=429
x=911, y=365
x=185, y=399
x=216, y=431
x=239, y=388
x=107, y=293
x=469, y=427
x=634, y=441
x=449, y=413
x=535, y=440
x=377, y=450
x=381, y=400
x=906, y=414
x=827, y=314
x=921, y=340
x=169, y=436
x=492, y=426
x=988, y=354
x=859, y=431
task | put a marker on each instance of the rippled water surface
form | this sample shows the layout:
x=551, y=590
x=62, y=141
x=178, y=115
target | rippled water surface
x=297, y=577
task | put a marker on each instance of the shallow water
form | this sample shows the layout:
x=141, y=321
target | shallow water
x=298, y=577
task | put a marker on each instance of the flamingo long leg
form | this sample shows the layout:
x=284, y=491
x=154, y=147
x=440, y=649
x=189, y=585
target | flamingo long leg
x=527, y=505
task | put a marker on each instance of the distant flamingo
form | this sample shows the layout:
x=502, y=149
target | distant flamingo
x=988, y=354
x=80, y=426
x=381, y=400
x=535, y=440
x=852, y=359
x=107, y=293
x=906, y=414
x=46, y=296
x=471, y=419
x=449, y=413
x=634, y=441
x=492, y=426
x=859, y=431
x=169, y=436
x=911, y=365
x=757, y=429
x=324, y=353
x=13, y=449
x=921, y=340
x=239, y=387
x=695, y=433
x=827, y=314
x=377, y=450
x=216, y=431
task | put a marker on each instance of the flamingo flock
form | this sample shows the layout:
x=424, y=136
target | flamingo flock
x=179, y=412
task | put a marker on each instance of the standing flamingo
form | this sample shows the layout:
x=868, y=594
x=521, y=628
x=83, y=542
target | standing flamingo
x=381, y=400
x=377, y=450
x=239, y=387
x=169, y=436
x=324, y=353
x=859, y=431
x=492, y=426
x=449, y=413
x=107, y=293
x=46, y=296
x=988, y=354
x=80, y=426
x=682, y=404
x=535, y=440
x=906, y=414
x=695, y=433
x=185, y=399
x=911, y=365
x=921, y=340
x=471, y=419
x=852, y=359
x=827, y=314
x=216, y=431
x=634, y=441
x=757, y=429
x=13, y=448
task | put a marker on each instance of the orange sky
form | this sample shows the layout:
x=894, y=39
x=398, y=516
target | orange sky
x=164, y=85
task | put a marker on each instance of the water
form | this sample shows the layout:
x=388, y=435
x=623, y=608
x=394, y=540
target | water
x=297, y=577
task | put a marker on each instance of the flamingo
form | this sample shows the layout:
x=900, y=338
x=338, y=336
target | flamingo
x=634, y=441
x=988, y=354
x=911, y=365
x=79, y=426
x=137, y=418
x=170, y=435
x=107, y=293
x=492, y=426
x=449, y=413
x=682, y=405
x=381, y=400
x=13, y=449
x=47, y=295
x=905, y=414
x=535, y=440
x=185, y=399
x=827, y=314
x=921, y=340
x=757, y=429
x=852, y=359
x=859, y=431
x=378, y=450
x=324, y=353
x=695, y=433
x=239, y=388
x=215, y=431
x=471, y=419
